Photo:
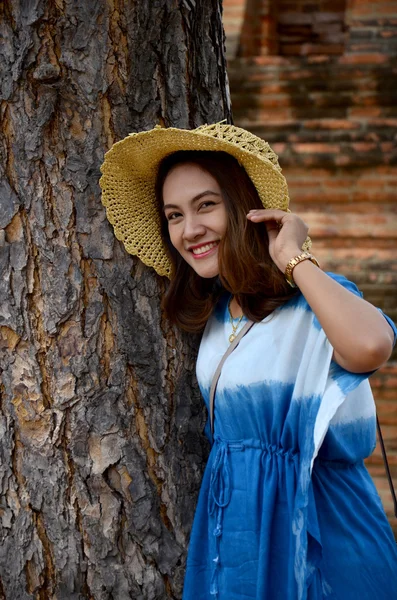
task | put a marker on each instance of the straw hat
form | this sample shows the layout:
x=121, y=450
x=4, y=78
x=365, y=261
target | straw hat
x=129, y=175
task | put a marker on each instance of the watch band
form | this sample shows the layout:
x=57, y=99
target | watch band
x=295, y=261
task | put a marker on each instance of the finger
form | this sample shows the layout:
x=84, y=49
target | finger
x=266, y=214
x=272, y=231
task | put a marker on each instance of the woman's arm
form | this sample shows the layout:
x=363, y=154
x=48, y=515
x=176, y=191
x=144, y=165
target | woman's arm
x=361, y=337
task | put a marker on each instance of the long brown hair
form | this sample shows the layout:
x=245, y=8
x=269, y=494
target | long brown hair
x=246, y=269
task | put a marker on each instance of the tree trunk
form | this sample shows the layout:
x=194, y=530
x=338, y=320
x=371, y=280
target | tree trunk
x=101, y=444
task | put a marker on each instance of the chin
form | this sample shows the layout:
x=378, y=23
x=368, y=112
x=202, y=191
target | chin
x=206, y=271
x=209, y=275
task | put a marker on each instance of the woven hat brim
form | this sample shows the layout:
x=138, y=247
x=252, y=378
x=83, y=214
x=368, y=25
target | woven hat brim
x=129, y=175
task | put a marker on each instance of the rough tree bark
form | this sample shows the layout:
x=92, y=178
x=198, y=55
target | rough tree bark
x=101, y=443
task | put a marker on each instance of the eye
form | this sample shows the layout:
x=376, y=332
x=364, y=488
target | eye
x=172, y=216
x=207, y=203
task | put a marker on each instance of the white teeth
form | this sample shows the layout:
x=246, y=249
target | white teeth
x=205, y=248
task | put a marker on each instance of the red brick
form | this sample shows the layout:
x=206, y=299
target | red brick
x=368, y=184
x=230, y=3
x=388, y=34
x=266, y=116
x=361, y=11
x=364, y=47
x=269, y=60
x=367, y=196
x=343, y=160
x=310, y=196
x=317, y=59
x=391, y=394
x=387, y=146
x=374, y=58
x=387, y=9
x=273, y=88
x=298, y=173
x=300, y=73
x=279, y=148
x=332, y=124
x=365, y=99
x=314, y=197
x=310, y=48
x=253, y=77
x=361, y=205
x=387, y=409
x=364, y=146
x=334, y=183
x=352, y=225
x=315, y=148
x=328, y=17
x=387, y=171
x=383, y=123
x=356, y=112
x=279, y=101
x=308, y=182
x=294, y=18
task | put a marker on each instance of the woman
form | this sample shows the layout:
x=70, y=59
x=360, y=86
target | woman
x=287, y=510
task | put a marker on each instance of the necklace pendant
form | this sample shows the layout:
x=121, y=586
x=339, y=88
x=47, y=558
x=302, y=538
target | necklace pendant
x=232, y=337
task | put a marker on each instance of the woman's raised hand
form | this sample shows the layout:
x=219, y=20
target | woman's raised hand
x=287, y=233
x=361, y=337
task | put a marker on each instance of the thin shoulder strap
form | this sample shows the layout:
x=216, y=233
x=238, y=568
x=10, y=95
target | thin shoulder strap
x=387, y=468
x=215, y=378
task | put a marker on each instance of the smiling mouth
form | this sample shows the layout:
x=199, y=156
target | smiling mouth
x=204, y=249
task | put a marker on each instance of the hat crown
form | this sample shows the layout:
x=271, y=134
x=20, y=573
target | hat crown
x=243, y=139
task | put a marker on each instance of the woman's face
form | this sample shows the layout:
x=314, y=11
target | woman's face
x=196, y=215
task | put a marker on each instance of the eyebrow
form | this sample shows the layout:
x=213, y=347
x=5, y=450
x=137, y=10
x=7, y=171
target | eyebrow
x=194, y=199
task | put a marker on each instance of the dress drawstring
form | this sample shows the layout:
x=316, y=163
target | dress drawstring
x=219, y=497
x=220, y=488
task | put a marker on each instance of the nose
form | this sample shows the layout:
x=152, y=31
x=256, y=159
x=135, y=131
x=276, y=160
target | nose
x=193, y=228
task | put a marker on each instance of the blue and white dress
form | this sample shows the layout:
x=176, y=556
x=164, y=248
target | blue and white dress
x=287, y=509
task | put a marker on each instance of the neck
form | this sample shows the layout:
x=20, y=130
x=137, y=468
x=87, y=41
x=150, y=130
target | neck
x=235, y=309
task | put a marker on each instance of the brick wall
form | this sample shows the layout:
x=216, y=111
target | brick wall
x=311, y=27
x=325, y=98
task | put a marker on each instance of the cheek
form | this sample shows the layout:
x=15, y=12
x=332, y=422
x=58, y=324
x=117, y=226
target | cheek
x=224, y=221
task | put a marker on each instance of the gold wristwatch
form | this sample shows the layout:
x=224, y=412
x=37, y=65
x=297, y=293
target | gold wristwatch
x=295, y=261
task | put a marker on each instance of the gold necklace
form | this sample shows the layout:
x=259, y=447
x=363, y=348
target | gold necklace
x=232, y=336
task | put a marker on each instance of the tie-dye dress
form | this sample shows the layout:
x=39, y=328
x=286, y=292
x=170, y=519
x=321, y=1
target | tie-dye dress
x=287, y=509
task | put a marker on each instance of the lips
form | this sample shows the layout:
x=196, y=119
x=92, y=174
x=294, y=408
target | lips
x=197, y=250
